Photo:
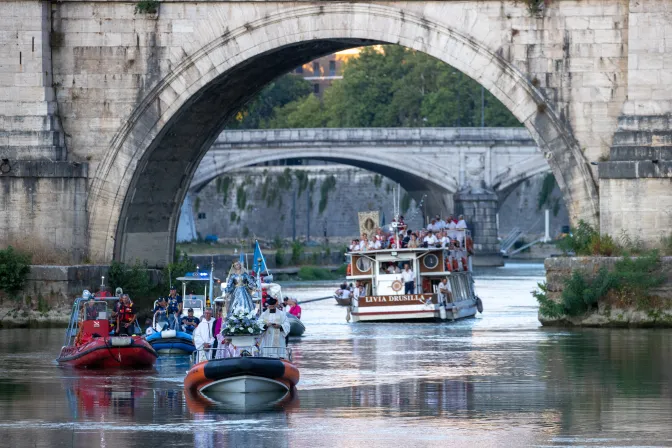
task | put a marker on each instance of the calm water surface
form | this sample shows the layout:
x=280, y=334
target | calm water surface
x=497, y=380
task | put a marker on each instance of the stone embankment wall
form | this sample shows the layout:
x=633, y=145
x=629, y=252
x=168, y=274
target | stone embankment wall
x=610, y=313
x=47, y=297
x=220, y=209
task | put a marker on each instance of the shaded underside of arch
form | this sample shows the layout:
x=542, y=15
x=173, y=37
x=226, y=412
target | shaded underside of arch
x=140, y=184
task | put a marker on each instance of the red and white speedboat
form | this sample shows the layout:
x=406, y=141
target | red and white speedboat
x=88, y=343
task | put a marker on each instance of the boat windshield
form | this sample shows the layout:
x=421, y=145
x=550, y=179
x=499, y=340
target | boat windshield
x=192, y=303
x=94, y=310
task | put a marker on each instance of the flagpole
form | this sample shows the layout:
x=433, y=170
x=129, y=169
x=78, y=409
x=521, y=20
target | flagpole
x=210, y=284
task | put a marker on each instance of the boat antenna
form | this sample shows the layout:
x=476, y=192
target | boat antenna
x=170, y=277
x=102, y=282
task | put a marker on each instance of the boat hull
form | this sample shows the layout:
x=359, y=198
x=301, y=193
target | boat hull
x=244, y=384
x=241, y=375
x=461, y=310
x=296, y=327
x=177, y=343
x=102, y=353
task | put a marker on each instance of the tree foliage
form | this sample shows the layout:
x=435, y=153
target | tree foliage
x=277, y=94
x=395, y=87
x=14, y=268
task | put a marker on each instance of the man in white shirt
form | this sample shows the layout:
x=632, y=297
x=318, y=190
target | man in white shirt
x=408, y=277
x=444, y=291
x=433, y=227
x=359, y=291
x=450, y=225
x=430, y=239
x=460, y=227
x=444, y=241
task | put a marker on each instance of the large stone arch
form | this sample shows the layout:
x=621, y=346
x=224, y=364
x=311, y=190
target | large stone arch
x=139, y=185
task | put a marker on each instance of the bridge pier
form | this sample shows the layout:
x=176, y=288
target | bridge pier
x=479, y=207
x=636, y=182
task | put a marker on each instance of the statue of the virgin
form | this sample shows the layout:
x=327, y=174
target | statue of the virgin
x=239, y=286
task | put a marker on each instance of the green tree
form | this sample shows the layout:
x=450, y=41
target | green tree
x=280, y=92
x=395, y=87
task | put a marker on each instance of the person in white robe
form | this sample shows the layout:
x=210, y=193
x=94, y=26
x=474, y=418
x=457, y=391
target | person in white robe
x=277, y=328
x=203, y=338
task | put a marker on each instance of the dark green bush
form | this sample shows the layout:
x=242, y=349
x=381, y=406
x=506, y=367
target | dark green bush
x=279, y=257
x=579, y=239
x=581, y=293
x=297, y=252
x=14, y=268
x=147, y=7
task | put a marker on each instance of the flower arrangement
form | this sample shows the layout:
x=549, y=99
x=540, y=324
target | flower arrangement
x=242, y=323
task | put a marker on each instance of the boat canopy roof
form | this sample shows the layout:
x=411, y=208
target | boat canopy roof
x=196, y=277
x=418, y=250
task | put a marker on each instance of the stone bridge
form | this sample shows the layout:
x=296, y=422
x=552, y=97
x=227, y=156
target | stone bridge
x=106, y=110
x=433, y=161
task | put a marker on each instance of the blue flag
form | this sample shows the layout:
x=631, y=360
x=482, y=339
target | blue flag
x=242, y=259
x=259, y=260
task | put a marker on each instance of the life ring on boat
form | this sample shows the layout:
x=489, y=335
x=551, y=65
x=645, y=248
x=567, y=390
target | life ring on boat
x=479, y=305
x=456, y=267
x=470, y=245
x=396, y=286
x=348, y=270
x=465, y=265
x=449, y=268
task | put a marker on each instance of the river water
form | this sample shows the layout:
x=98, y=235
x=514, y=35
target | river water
x=496, y=380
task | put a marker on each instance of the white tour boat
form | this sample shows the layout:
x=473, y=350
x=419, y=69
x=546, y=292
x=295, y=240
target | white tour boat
x=384, y=297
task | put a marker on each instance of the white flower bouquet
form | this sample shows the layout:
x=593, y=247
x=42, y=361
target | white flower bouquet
x=242, y=323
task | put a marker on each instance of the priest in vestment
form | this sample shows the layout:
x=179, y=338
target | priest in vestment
x=277, y=328
x=203, y=338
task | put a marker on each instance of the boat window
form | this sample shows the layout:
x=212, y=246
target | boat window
x=94, y=310
x=363, y=264
x=391, y=267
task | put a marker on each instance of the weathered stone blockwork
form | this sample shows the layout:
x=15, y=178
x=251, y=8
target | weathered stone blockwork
x=142, y=97
x=43, y=209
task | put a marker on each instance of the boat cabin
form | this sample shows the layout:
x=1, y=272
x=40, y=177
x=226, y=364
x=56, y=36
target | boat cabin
x=379, y=271
x=204, y=279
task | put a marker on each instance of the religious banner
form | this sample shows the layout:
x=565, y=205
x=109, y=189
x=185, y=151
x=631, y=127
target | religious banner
x=406, y=299
x=368, y=223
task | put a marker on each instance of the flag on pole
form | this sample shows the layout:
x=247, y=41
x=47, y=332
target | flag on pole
x=242, y=259
x=259, y=260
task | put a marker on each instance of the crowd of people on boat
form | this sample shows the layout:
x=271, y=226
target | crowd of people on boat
x=449, y=233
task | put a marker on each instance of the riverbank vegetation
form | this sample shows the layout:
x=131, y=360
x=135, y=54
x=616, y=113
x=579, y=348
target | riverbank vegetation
x=627, y=283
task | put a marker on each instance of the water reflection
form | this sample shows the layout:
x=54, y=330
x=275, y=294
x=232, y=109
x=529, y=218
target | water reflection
x=498, y=380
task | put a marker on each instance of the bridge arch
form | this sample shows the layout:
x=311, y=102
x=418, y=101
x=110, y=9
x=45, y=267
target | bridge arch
x=139, y=185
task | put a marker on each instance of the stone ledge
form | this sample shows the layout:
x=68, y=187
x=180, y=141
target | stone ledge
x=44, y=168
x=632, y=153
x=635, y=169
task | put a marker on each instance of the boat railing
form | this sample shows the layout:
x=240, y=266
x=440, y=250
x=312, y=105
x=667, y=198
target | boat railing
x=243, y=352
